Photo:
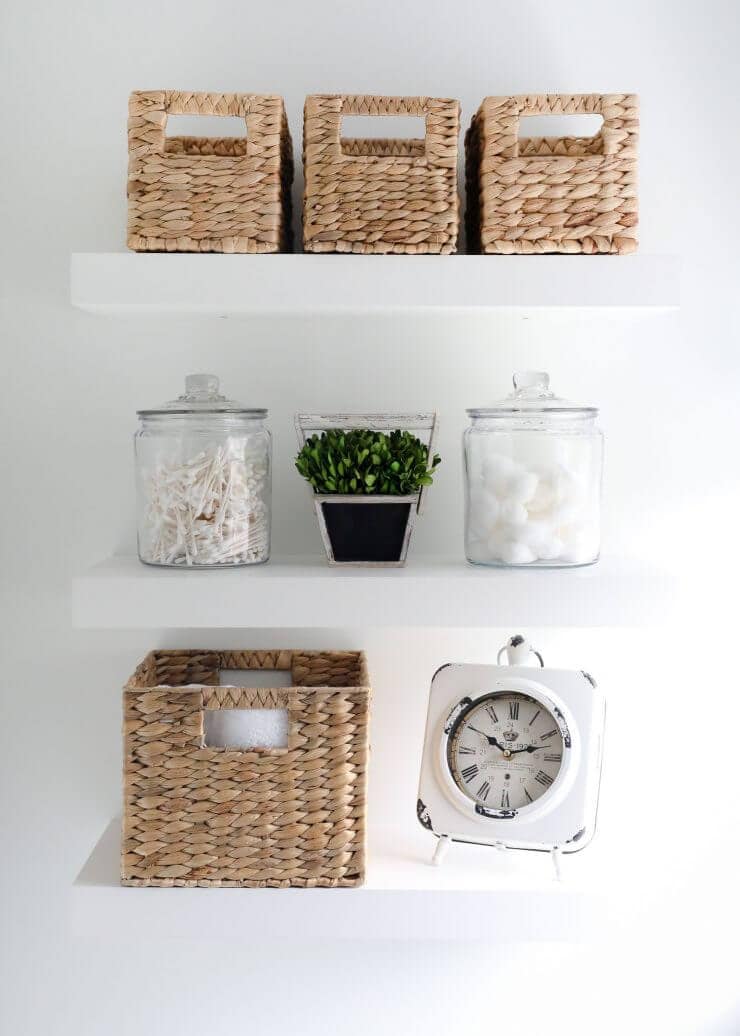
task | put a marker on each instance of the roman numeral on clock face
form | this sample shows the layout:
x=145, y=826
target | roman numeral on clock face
x=469, y=773
x=535, y=717
x=482, y=792
x=544, y=778
x=464, y=750
x=528, y=795
x=492, y=713
x=552, y=757
x=550, y=733
x=504, y=800
x=513, y=710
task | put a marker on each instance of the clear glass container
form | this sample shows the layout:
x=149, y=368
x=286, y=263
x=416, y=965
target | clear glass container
x=203, y=478
x=533, y=465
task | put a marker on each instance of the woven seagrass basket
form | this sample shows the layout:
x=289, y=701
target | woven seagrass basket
x=268, y=817
x=380, y=195
x=208, y=194
x=552, y=194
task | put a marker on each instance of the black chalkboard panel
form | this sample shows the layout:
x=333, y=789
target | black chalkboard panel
x=366, y=531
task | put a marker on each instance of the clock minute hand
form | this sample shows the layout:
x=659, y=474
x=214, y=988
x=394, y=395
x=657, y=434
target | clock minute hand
x=489, y=739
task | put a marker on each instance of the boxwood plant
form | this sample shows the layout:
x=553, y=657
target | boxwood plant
x=363, y=461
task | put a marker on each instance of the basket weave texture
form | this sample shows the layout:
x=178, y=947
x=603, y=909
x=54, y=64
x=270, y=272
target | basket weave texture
x=253, y=818
x=380, y=195
x=552, y=194
x=208, y=194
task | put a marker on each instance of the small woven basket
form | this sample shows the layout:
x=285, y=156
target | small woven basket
x=552, y=194
x=256, y=818
x=208, y=194
x=379, y=195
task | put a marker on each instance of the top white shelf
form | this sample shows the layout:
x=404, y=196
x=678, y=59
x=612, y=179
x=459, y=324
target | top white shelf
x=130, y=283
x=121, y=593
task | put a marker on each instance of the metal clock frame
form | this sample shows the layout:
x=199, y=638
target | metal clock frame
x=568, y=768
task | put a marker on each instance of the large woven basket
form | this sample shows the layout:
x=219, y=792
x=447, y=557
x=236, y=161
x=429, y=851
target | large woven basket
x=549, y=194
x=379, y=195
x=274, y=817
x=208, y=194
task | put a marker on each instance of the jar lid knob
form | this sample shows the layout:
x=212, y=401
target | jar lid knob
x=532, y=384
x=201, y=386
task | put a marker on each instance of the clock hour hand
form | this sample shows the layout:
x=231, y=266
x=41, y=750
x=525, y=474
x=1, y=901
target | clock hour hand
x=489, y=739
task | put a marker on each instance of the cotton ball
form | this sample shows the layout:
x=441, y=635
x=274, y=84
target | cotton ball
x=569, y=486
x=534, y=534
x=550, y=549
x=565, y=514
x=512, y=512
x=544, y=495
x=580, y=543
x=517, y=553
x=496, y=543
x=522, y=486
x=578, y=554
x=498, y=470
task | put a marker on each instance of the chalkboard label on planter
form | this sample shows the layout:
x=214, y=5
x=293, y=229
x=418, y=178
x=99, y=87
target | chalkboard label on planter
x=366, y=531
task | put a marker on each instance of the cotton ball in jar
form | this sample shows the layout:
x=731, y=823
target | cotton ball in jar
x=551, y=549
x=514, y=552
x=580, y=542
x=496, y=543
x=545, y=494
x=498, y=470
x=512, y=512
x=534, y=534
x=522, y=486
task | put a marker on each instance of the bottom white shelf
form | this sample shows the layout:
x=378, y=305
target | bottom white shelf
x=478, y=894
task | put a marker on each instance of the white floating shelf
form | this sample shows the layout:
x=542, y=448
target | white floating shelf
x=121, y=593
x=480, y=894
x=125, y=282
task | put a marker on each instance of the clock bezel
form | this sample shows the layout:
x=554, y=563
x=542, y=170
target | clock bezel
x=562, y=782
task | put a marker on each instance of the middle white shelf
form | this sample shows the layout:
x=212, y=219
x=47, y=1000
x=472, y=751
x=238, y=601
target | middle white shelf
x=289, y=591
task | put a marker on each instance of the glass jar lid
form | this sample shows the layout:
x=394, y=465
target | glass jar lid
x=532, y=396
x=201, y=396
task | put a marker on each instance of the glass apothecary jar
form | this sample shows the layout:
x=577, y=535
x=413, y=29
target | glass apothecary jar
x=203, y=477
x=533, y=465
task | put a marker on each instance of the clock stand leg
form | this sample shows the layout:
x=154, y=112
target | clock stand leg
x=555, y=857
x=441, y=849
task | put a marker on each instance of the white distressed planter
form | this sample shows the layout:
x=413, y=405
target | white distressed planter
x=424, y=425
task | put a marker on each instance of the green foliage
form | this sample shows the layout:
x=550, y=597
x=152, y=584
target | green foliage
x=362, y=461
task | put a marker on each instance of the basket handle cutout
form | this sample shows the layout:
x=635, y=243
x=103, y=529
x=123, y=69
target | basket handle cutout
x=249, y=710
x=390, y=108
x=584, y=126
x=618, y=131
x=206, y=127
x=374, y=135
x=260, y=678
x=246, y=728
x=149, y=113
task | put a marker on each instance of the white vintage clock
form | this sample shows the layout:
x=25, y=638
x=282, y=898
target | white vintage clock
x=512, y=755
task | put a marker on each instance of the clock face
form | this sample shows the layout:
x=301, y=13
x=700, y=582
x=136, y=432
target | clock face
x=505, y=751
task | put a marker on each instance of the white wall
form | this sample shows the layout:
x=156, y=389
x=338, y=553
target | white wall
x=668, y=386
